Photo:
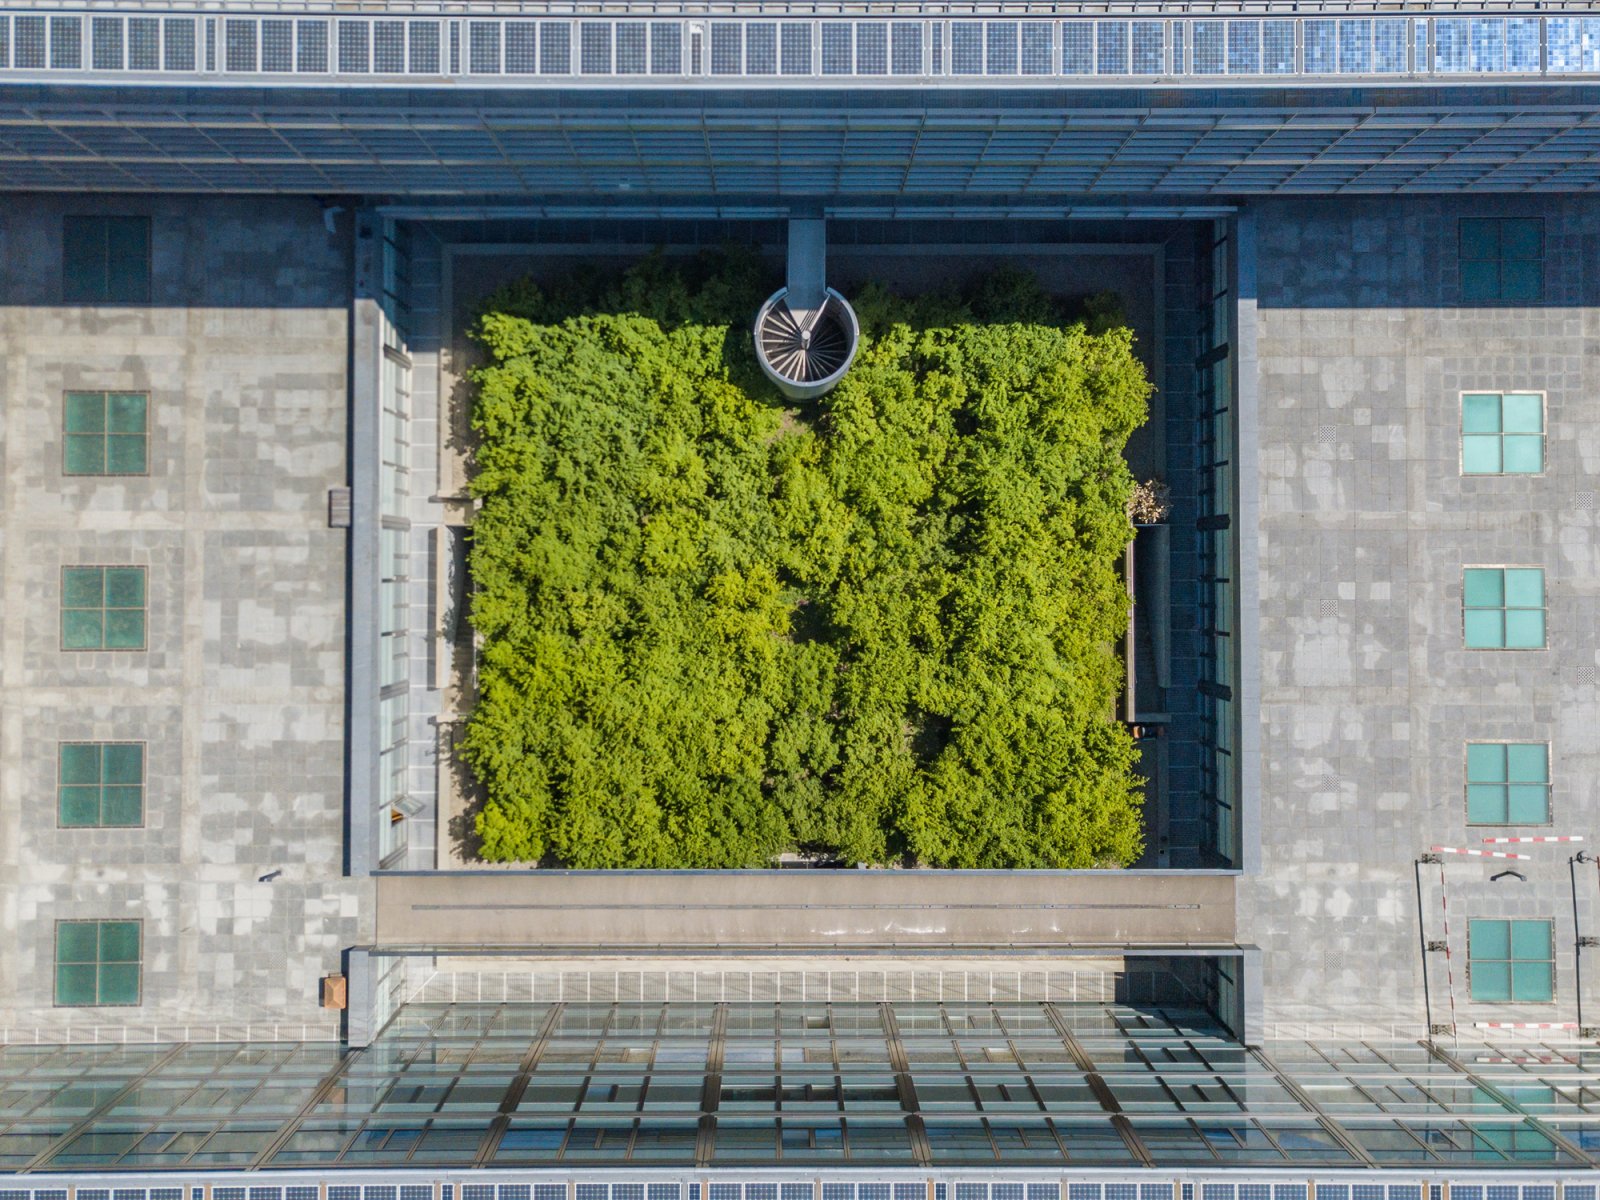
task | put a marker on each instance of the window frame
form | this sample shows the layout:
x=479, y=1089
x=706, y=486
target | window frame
x=1550, y=927
x=62, y=609
x=144, y=783
x=1544, y=608
x=1467, y=784
x=98, y=923
x=1462, y=434
x=105, y=434
x=1499, y=298
x=67, y=295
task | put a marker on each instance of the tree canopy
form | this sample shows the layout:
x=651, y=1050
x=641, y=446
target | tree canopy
x=715, y=627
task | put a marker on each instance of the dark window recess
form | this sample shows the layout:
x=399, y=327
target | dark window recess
x=106, y=260
x=1502, y=259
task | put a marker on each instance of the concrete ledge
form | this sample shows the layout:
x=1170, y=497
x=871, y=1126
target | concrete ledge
x=688, y=912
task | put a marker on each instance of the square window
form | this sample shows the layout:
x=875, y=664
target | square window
x=98, y=962
x=1511, y=961
x=103, y=608
x=1508, y=783
x=101, y=785
x=105, y=433
x=106, y=260
x=1502, y=433
x=1501, y=259
x=1503, y=608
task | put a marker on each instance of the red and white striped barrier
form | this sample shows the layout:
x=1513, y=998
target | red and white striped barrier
x=1506, y=841
x=1524, y=1024
x=1480, y=853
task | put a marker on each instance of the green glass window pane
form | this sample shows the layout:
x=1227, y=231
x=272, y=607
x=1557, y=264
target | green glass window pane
x=77, y=941
x=1480, y=454
x=1523, y=454
x=1521, y=280
x=122, y=806
x=80, y=762
x=1525, y=587
x=1525, y=629
x=1530, y=939
x=1532, y=981
x=125, y=629
x=124, y=587
x=79, y=807
x=125, y=454
x=119, y=941
x=1483, y=587
x=1486, y=804
x=82, y=587
x=1480, y=412
x=123, y=763
x=1521, y=237
x=81, y=630
x=1480, y=237
x=1486, y=762
x=128, y=259
x=125, y=412
x=1527, y=804
x=1489, y=939
x=86, y=412
x=85, y=454
x=76, y=984
x=1485, y=629
x=119, y=983
x=1523, y=413
x=83, y=259
x=1480, y=281
x=1528, y=762
x=1491, y=981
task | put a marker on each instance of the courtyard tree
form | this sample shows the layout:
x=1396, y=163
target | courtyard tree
x=715, y=628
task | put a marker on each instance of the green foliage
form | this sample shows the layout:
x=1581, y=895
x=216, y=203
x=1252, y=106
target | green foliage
x=714, y=630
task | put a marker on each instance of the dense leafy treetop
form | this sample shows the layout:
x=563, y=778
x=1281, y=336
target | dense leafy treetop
x=715, y=629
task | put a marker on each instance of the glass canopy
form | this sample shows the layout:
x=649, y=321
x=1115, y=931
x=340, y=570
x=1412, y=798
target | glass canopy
x=700, y=1085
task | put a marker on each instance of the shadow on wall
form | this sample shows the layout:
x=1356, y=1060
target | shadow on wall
x=153, y=252
x=1393, y=252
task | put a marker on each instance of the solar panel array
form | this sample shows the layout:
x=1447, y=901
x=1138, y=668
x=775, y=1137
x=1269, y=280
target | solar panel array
x=524, y=51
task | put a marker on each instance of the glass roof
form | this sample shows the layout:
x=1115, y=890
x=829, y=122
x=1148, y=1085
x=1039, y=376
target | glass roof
x=700, y=1084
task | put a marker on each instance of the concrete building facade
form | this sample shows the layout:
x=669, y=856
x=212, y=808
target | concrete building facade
x=236, y=691
x=1358, y=248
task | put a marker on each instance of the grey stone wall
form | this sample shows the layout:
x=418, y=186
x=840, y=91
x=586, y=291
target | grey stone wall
x=239, y=697
x=1368, y=695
